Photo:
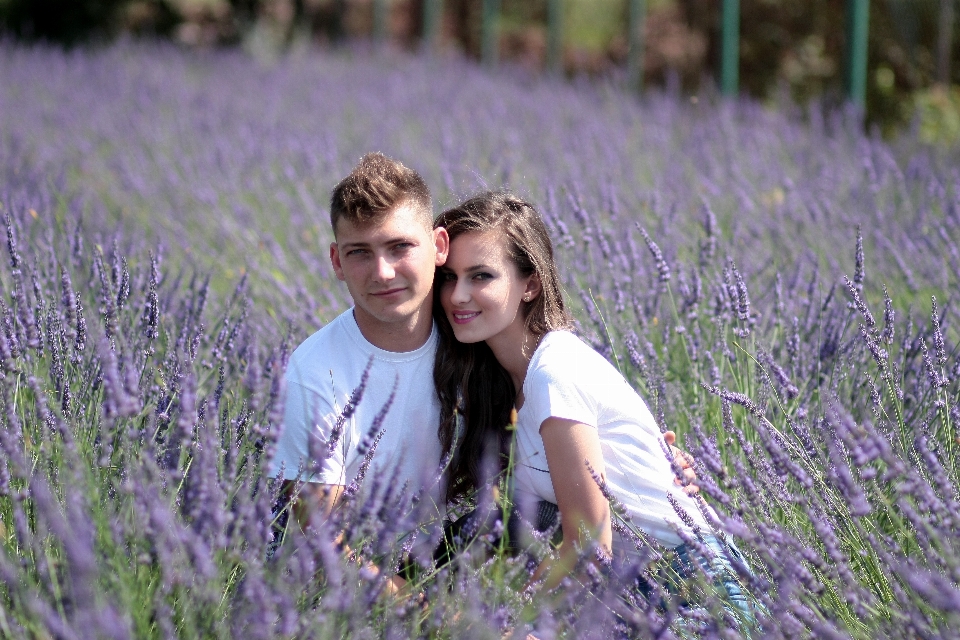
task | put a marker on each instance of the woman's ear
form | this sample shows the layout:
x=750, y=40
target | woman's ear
x=533, y=288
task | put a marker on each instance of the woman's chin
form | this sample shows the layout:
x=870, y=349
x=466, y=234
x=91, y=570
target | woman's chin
x=466, y=337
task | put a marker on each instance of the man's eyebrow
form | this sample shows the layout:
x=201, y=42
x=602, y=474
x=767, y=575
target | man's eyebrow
x=399, y=239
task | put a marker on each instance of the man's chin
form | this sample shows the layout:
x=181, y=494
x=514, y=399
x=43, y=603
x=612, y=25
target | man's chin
x=394, y=314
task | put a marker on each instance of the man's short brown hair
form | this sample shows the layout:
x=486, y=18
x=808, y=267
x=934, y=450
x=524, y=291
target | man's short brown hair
x=376, y=186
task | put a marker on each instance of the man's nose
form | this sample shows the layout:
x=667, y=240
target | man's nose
x=385, y=270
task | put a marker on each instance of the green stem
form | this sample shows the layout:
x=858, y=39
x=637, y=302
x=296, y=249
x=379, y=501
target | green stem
x=606, y=330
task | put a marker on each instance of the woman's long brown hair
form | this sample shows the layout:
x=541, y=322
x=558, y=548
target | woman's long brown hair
x=469, y=380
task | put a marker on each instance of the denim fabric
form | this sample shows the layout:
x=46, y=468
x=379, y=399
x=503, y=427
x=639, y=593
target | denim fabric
x=719, y=568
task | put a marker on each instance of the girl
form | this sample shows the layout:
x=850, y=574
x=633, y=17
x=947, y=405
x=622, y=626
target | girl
x=507, y=343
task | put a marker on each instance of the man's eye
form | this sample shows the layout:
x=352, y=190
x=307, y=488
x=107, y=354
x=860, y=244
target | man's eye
x=356, y=252
x=403, y=246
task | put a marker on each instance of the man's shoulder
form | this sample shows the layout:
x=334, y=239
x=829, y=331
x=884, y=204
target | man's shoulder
x=325, y=349
x=329, y=333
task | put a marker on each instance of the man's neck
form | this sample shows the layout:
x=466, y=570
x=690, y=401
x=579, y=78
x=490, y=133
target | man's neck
x=396, y=337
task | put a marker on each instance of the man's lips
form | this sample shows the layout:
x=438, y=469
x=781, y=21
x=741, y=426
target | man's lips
x=388, y=292
x=463, y=317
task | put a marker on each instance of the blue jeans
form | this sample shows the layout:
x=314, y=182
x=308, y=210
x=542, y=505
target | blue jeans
x=719, y=569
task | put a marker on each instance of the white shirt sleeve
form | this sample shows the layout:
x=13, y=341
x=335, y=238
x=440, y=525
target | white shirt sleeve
x=308, y=419
x=554, y=393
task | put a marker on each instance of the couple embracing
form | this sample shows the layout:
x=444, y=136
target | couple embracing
x=464, y=318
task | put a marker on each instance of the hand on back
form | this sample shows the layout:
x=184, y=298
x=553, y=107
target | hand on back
x=685, y=461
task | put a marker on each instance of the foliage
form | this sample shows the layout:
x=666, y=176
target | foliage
x=938, y=112
x=166, y=248
x=65, y=21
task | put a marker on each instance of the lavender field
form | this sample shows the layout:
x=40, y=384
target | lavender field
x=780, y=287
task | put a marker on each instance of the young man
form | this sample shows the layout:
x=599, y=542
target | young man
x=386, y=251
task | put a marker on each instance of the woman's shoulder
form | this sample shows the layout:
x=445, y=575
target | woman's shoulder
x=564, y=351
x=562, y=344
x=554, y=341
x=556, y=347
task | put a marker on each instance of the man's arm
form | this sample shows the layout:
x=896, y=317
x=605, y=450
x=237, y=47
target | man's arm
x=313, y=497
x=322, y=499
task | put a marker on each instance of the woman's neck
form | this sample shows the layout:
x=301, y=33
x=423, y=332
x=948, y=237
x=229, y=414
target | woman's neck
x=513, y=351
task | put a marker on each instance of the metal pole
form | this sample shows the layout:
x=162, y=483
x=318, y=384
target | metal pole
x=555, y=36
x=432, y=19
x=636, y=23
x=490, y=33
x=730, y=48
x=380, y=13
x=945, y=41
x=855, y=76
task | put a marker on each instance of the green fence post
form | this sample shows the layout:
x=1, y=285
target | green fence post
x=432, y=20
x=855, y=64
x=490, y=32
x=555, y=36
x=730, y=48
x=945, y=41
x=380, y=14
x=636, y=23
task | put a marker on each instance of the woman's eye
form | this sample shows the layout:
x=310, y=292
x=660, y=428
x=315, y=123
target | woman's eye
x=446, y=276
x=483, y=275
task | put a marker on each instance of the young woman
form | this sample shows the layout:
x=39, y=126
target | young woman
x=507, y=343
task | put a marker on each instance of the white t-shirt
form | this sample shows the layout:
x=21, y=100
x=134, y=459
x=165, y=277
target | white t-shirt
x=321, y=376
x=567, y=379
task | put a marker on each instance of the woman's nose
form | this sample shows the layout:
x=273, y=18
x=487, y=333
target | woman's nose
x=460, y=293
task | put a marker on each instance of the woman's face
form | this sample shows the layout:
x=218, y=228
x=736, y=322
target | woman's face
x=481, y=290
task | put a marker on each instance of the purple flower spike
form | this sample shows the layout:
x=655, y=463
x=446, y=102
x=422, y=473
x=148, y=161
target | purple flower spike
x=663, y=269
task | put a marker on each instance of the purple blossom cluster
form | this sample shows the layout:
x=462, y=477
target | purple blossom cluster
x=778, y=285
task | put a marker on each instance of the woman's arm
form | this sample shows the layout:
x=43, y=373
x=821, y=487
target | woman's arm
x=569, y=446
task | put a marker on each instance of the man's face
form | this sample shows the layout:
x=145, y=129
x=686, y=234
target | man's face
x=388, y=267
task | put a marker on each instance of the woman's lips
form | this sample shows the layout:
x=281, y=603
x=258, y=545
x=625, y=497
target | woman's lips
x=463, y=317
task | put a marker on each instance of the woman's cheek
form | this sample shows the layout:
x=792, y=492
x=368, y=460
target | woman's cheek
x=445, y=290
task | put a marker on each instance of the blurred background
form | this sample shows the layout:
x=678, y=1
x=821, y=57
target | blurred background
x=790, y=51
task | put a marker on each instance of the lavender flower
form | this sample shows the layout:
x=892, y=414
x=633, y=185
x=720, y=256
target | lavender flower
x=859, y=304
x=889, y=319
x=858, y=273
x=939, y=349
x=663, y=269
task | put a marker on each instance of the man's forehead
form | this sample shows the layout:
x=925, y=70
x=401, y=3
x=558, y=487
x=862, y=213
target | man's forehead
x=402, y=222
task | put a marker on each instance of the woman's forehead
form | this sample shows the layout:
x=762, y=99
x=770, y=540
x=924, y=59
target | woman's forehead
x=488, y=247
